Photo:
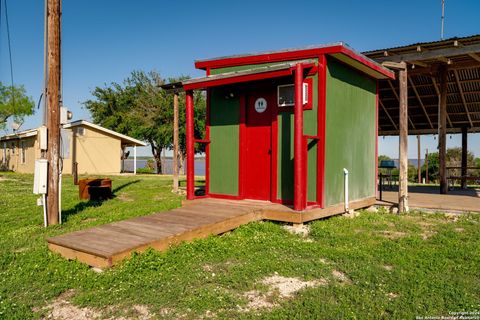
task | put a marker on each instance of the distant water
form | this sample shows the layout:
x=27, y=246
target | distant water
x=167, y=167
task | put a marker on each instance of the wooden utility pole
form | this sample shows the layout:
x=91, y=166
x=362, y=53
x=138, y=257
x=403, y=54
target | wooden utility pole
x=442, y=130
x=419, y=168
x=403, y=142
x=53, y=109
x=175, y=142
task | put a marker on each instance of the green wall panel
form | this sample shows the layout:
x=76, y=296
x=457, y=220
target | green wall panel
x=285, y=150
x=224, y=145
x=350, y=133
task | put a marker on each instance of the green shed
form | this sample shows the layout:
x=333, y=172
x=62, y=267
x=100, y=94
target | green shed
x=296, y=127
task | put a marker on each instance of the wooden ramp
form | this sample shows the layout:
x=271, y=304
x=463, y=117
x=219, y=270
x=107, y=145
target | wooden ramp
x=106, y=245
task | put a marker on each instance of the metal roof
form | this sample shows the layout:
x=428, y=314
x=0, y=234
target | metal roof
x=461, y=57
x=19, y=135
x=124, y=138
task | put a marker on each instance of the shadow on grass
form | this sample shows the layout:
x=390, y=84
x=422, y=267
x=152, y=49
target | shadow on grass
x=82, y=205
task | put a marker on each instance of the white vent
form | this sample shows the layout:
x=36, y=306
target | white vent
x=305, y=93
x=80, y=131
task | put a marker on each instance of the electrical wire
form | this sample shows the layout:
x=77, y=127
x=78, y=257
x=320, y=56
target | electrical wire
x=9, y=51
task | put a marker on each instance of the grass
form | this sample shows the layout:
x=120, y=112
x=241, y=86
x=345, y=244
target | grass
x=397, y=266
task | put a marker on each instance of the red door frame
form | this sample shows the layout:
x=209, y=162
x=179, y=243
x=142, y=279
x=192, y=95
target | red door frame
x=244, y=100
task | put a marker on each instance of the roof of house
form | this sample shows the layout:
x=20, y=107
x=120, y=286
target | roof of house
x=339, y=50
x=33, y=132
x=19, y=135
x=124, y=138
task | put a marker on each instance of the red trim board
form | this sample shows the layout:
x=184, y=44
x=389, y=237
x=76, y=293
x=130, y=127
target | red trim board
x=294, y=55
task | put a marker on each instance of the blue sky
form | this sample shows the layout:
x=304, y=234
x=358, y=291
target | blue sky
x=104, y=40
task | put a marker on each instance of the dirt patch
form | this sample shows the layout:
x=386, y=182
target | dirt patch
x=387, y=267
x=459, y=229
x=125, y=197
x=426, y=234
x=340, y=276
x=6, y=179
x=283, y=287
x=62, y=309
x=302, y=230
x=392, y=234
x=89, y=220
x=286, y=287
x=392, y=295
x=220, y=267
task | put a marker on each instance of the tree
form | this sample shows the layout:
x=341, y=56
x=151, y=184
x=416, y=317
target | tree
x=14, y=103
x=453, y=158
x=139, y=108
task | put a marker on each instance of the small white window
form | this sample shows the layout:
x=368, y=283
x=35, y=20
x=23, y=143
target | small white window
x=286, y=95
x=23, y=153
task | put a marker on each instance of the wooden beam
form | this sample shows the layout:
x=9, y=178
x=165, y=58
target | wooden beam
x=420, y=101
x=438, y=94
x=474, y=56
x=189, y=119
x=398, y=99
x=427, y=131
x=460, y=89
x=394, y=65
x=433, y=54
x=442, y=132
x=434, y=68
x=388, y=114
x=419, y=171
x=403, y=143
x=175, y=142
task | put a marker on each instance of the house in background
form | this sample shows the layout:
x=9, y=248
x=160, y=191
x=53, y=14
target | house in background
x=95, y=149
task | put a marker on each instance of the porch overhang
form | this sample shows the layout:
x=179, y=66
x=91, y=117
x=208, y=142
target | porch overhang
x=227, y=78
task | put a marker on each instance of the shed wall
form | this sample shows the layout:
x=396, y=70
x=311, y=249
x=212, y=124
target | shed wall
x=224, y=146
x=350, y=133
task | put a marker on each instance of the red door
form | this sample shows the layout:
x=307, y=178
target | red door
x=258, y=146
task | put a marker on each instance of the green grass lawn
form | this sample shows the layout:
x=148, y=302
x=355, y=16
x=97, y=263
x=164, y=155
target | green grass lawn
x=376, y=266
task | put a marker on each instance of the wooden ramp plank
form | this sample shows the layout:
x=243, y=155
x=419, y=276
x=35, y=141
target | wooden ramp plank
x=106, y=245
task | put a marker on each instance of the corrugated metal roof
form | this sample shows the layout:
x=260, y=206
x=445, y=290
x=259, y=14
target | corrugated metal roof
x=463, y=86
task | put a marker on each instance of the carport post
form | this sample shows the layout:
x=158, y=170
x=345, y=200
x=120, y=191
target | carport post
x=464, y=156
x=403, y=142
x=442, y=131
x=190, y=146
x=135, y=159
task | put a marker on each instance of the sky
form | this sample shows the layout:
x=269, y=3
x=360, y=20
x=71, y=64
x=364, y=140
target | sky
x=104, y=40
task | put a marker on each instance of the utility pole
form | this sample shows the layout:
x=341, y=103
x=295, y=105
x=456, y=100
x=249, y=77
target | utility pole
x=175, y=141
x=53, y=109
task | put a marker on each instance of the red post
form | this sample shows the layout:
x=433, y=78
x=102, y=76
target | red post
x=190, y=146
x=299, y=199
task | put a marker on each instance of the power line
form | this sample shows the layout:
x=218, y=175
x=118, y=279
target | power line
x=9, y=48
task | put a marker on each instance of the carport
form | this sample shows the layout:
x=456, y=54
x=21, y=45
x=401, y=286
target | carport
x=436, y=91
